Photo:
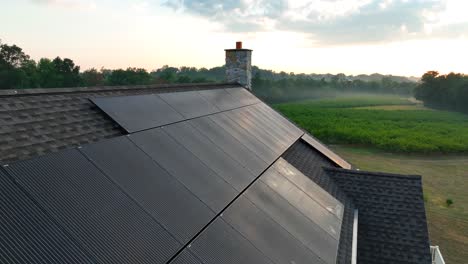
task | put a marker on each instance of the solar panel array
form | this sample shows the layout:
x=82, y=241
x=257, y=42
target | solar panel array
x=198, y=185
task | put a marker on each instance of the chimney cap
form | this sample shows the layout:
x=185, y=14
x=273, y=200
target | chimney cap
x=238, y=47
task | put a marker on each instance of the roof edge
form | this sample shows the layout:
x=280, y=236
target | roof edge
x=41, y=91
x=373, y=173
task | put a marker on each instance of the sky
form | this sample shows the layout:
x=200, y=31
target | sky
x=399, y=37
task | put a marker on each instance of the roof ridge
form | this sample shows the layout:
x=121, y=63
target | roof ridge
x=42, y=91
x=373, y=173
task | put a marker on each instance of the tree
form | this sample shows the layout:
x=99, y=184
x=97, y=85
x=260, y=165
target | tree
x=17, y=70
x=92, y=77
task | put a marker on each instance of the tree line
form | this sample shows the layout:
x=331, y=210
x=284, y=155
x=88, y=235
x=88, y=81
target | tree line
x=447, y=92
x=19, y=71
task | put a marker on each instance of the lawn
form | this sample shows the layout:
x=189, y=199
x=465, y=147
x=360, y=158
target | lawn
x=398, y=135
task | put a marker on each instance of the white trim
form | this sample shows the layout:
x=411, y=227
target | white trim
x=355, y=234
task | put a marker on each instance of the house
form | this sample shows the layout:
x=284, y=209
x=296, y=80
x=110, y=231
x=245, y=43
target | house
x=196, y=173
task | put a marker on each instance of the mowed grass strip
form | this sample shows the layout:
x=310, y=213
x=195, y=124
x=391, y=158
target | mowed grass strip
x=337, y=121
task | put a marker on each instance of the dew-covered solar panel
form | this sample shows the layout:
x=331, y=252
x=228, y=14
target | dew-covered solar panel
x=291, y=219
x=267, y=235
x=189, y=104
x=297, y=132
x=211, y=155
x=210, y=188
x=138, y=112
x=160, y=194
x=303, y=202
x=220, y=243
x=326, y=151
x=221, y=99
x=245, y=137
x=233, y=147
x=29, y=235
x=94, y=210
x=309, y=187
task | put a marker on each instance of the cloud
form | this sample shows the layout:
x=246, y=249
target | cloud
x=330, y=22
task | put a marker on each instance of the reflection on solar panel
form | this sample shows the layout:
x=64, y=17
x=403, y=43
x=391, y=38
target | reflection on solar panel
x=326, y=151
x=189, y=104
x=138, y=112
x=243, y=96
x=160, y=194
x=211, y=155
x=221, y=99
x=106, y=222
x=186, y=167
x=28, y=235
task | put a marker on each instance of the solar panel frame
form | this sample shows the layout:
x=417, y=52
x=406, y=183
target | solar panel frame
x=153, y=188
x=138, y=112
x=105, y=221
x=311, y=141
x=213, y=190
x=211, y=155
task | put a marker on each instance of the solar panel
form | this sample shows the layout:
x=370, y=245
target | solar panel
x=186, y=167
x=28, y=235
x=291, y=219
x=186, y=257
x=245, y=137
x=93, y=210
x=211, y=155
x=160, y=194
x=189, y=104
x=243, y=96
x=221, y=99
x=304, y=203
x=309, y=187
x=326, y=151
x=280, y=119
x=257, y=132
x=138, y=112
x=220, y=243
x=229, y=144
x=267, y=235
x=265, y=127
x=259, y=110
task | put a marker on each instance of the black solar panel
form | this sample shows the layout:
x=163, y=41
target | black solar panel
x=309, y=187
x=138, y=112
x=105, y=221
x=303, y=202
x=211, y=155
x=30, y=235
x=189, y=104
x=160, y=194
x=267, y=235
x=291, y=219
x=185, y=257
x=229, y=144
x=221, y=244
x=297, y=132
x=221, y=99
x=245, y=137
x=186, y=167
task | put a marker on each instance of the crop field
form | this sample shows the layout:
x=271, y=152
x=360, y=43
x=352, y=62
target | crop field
x=396, y=135
x=386, y=123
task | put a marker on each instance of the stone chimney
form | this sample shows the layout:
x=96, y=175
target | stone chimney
x=239, y=65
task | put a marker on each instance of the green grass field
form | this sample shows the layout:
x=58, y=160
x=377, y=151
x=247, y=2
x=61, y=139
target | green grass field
x=386, y=123
x=396, y=135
